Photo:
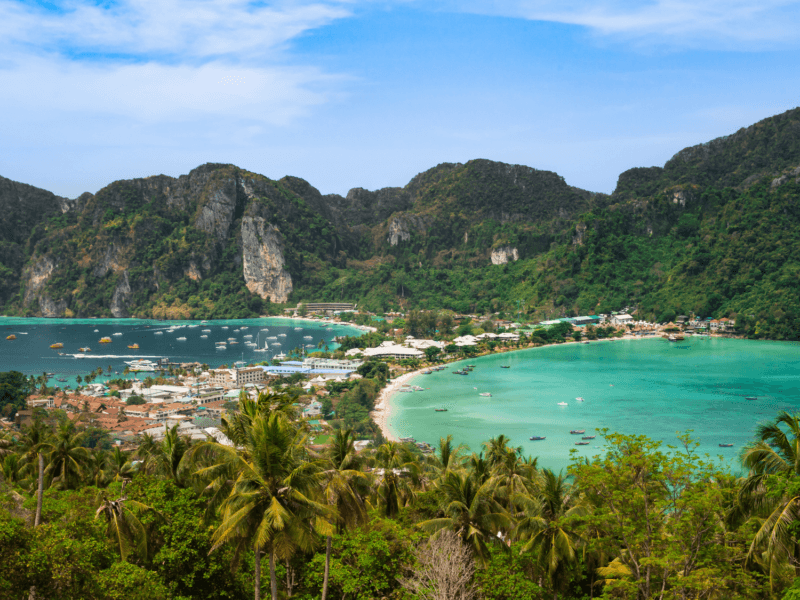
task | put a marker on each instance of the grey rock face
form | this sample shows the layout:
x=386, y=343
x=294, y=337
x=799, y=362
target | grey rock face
x=402, y=226
x=263, y=262
x=502, y=255
x=121, y=297
x=217, y=215
x=51, y=308
x=36, y=277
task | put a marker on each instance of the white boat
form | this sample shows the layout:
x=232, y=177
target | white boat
x=579, y=399
x=235, y=331
x=298, y=329
x=159, y=333
x=307, y=337
x=231, y=339
x=141, y=364
x=206, y=331
x=275, y=344
x=242, y=327
x=248, y=336
x=96, y=330
x=485, y=394
x=562, y=404
x=181, y=339
x=116, y=334
x=220, y=343
x=224, y=326
x=281, y=335
x=203, y=336
x=272, y=337
x=221, y=347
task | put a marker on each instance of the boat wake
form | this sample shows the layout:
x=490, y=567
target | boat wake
x=79, y=355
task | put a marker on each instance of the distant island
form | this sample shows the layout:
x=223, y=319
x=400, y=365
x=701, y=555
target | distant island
x=712, y=233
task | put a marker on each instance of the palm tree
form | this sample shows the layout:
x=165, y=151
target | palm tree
x=773, y=461
x=342, y=487
x=470, y=511
x=167, y=456
x=119, y=465
x=123, y=524
x=270, y=507
x=448, y=457
x=66, y=457
x=397, y=470
x=542, y=524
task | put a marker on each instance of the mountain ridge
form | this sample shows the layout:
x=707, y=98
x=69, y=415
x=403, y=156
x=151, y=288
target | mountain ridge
x=475, y=236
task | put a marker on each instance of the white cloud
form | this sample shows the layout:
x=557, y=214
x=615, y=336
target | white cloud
x=725, y=24
x=179, y=29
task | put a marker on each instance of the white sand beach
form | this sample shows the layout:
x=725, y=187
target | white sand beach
x=383, y=403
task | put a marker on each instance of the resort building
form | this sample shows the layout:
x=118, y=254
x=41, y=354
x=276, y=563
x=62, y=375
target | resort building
x=392, y=350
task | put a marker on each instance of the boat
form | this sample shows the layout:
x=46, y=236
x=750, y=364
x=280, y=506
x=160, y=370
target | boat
x=11, y=337
x=181, y=339
x=224, y=326
x=141, y=364
x=298, y=329
x=281, y=335
x=485, y=394
x=726, y=445
x=440, y=409
x=579, y=399
x=206, y=331
x=230, y=342
x=588, y=437
x=578, y=431
x=581, y=443
x=242, y=327
x=61, y=379
x=305, y=337
x=203, y=336
x=537, y=438
x=751, y=398
x=97, y=331
x=505, y=366
x=248, y=336
x=562, y=404
x=105, y=340
x=133, y=346
x=159, y=333
x=116, y=334
x=87, y=349
x=57, y=345
x=220, y=346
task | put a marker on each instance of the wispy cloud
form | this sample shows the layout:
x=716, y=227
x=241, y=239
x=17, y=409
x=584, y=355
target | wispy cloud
x=167, y=29
x=719, y=24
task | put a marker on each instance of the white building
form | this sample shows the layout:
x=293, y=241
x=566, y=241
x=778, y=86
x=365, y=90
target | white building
x=392, y=350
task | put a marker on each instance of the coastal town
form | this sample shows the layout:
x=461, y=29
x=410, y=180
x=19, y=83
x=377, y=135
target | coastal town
x=156, y=396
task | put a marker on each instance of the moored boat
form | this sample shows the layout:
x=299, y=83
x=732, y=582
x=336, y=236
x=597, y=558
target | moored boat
x=11, y=337
x=537, y=438
x=581, y=443
x=133, y=346
x=485, y=394
x=505, y=366
x=726, y=445
x=105, y=340
x=562, y=404
x=440, y=409
x=57, y=345
x=578, y=431
x=87, y=349
x=588, y=437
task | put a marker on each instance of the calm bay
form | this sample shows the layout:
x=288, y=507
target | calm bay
x=651, y=387
x=30, y=352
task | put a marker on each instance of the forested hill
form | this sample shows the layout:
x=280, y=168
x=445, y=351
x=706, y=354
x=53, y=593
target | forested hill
x=715, y=231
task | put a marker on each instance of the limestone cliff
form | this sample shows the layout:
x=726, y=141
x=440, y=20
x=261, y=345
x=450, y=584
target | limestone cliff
x=504, y=254
x=263, y=262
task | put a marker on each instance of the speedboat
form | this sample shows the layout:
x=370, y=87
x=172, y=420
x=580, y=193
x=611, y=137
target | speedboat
x=579, y=399
x=485, y=394
x=181, y=339
x=562, y=404
x=203, y=336
x=159, y=333
x=537, y=438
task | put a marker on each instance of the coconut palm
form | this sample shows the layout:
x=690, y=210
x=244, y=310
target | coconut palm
x=470, y=511
x=396, y=471
x=118, y=465
x=447, y=457
x=167, y=457
x=124, y=526
x=773, y=461
x=542, y=523
x=66, y=457
x=270, y=507
x=343, y=489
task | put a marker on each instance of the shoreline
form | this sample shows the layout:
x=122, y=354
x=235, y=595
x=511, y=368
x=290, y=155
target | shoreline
x=383, y=404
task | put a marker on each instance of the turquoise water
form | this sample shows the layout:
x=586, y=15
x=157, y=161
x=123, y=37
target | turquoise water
x=31, y=354
x=649, y=387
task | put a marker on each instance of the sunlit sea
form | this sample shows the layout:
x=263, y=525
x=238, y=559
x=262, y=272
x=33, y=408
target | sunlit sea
x=31, y=354
x=651, y=387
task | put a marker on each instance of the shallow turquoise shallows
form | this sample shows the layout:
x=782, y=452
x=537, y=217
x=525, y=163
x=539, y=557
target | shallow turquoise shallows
x=651, y=387
x=31, y=354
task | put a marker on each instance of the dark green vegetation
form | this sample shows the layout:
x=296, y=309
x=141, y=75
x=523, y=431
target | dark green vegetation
x=197, y=520
x=714, y=232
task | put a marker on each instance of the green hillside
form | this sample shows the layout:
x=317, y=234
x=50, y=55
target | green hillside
x=714, y=232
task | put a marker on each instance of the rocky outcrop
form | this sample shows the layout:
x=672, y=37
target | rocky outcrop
x=402, y=226
x=263, y=262
x=36, y=277
x=121, y=298
x=580, y=234
x=217, y=214
x=52, y=308
x=502, y=255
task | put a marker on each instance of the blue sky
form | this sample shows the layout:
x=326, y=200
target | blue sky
x=369, y=93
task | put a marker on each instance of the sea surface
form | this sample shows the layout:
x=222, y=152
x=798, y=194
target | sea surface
x=651, y=387
x=31, y=354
